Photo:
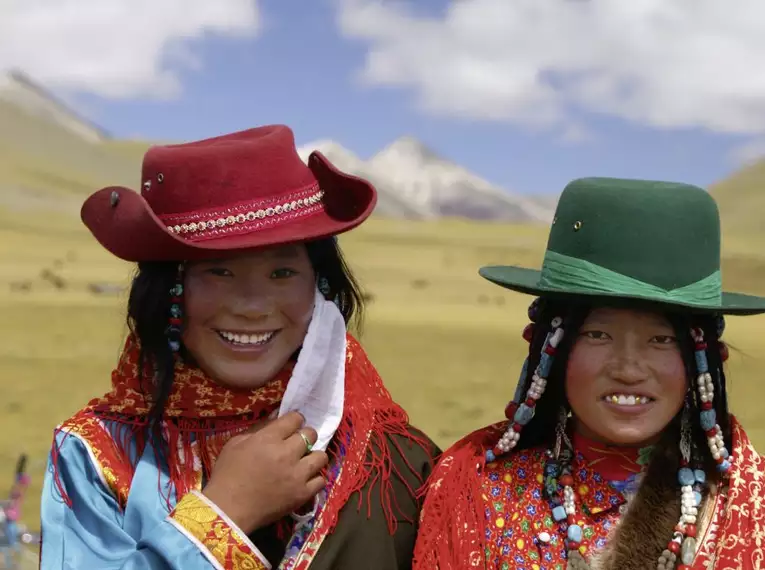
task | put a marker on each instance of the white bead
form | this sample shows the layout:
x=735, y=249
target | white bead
x=556, y=337
x=556, y=322
x=689, y=519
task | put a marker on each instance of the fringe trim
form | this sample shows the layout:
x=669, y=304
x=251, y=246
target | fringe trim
x=363, y=443
x=453, y=537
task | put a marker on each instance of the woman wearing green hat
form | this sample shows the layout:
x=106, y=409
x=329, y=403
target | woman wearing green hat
x=618, y=451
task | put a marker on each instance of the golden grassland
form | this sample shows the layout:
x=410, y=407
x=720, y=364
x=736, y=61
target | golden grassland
x=446, y=342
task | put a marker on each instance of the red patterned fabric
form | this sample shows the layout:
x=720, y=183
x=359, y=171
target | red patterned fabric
x=491, y=516
x=516, y=513
x=203, y=411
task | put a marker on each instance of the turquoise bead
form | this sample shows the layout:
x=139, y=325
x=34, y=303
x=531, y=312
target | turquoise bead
x=523, y=414
x=701, y=361
x=697, y=498
x=574, y=533
x=700, y=476
x=708, y=419
x=685, y=476
x=490, y=457
x=559, y=513
x=545, y=363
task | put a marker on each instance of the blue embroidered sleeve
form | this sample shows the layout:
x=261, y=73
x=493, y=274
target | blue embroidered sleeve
x=90, y=534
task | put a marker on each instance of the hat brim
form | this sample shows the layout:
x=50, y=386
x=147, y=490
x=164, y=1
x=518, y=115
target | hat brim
x=131, y=231
x=524, y=280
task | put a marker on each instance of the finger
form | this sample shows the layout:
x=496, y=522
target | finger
x=315, y=485
x=258, y=426
x=287, y=425
x=298, y=444
x=312, y=464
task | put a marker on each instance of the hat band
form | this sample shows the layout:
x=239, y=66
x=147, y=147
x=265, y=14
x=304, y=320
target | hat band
x=243, y=218
x=572, y=275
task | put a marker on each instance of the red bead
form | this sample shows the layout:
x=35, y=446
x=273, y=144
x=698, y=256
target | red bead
x=510, y=410
x=571, y=519
x=690, y=530
x=701, y=346
x=175, y=322
x=531, y=402
x=724, y=353
x=566, y=480
x=683, y=462
x=711, y=432
x=707, y=405
x=175, y=300
x=719, y=460
x=517, y=427
x=673, y=547
x=528, y=332
x=550, y=349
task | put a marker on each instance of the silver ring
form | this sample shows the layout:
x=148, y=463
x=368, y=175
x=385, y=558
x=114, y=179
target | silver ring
x=308, y=444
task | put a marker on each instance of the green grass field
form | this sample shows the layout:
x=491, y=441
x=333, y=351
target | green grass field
x=446, y=342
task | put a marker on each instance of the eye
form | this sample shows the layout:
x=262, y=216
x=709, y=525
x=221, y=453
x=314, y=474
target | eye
x=596, y=335
x=664, y=339
x=283, y=273
x=219, y=272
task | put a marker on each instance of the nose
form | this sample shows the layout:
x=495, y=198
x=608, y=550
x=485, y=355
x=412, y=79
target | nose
x=252, y=303
x=628, y=366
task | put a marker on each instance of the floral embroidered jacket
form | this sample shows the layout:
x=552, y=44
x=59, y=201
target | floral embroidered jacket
x=515, y=530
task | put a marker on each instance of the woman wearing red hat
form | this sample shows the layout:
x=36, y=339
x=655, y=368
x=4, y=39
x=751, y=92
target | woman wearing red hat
x=619, y=451
x=245, y=427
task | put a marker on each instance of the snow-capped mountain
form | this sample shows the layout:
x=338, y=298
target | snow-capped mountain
x=390, y=201
x=414, y=182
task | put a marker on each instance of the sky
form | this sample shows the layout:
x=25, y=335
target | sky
x=528, y=94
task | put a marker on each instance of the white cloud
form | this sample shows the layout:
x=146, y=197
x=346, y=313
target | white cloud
x=115, y=48
x=662, y=63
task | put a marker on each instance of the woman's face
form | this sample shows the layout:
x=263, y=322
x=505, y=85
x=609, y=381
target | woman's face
x=246, y=315
x=625, y=378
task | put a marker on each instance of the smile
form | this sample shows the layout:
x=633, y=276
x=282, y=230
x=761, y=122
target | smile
x=626, y=399
x=245, y=339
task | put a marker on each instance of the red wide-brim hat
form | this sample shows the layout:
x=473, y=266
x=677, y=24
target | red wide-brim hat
x=240, y=191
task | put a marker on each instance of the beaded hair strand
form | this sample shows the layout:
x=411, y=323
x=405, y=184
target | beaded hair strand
x=524, y=411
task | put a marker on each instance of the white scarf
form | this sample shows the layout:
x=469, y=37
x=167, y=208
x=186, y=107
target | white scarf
x=317, y=386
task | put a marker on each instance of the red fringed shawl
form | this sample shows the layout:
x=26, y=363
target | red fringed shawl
x=202, y=411
x=451, y=534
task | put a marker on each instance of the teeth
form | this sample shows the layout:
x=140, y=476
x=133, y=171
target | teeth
x=626, y=400
x=246, y=338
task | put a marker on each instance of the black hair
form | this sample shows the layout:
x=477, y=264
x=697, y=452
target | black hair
x=149, y=310
x=540, y=431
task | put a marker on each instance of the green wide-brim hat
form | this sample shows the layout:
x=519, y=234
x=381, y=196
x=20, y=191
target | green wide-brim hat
x=657, y=242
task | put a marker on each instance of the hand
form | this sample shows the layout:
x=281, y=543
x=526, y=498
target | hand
x=264, y=473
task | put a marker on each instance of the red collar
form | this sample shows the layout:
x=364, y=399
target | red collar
x=613, y=462
x=596, y=465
